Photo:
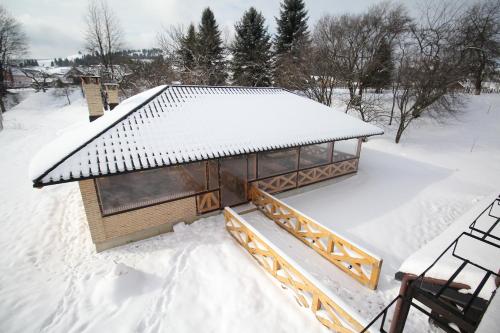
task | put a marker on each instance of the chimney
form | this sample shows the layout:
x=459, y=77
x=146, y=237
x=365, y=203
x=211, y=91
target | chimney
x=92, y=90
x=111, y=90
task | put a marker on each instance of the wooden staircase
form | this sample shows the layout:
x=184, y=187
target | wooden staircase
x=252, y=228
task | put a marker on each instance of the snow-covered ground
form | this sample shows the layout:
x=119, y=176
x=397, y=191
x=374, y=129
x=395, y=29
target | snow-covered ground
x=198, y=279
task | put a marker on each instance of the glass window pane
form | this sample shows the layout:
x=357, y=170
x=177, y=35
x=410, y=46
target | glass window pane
x=277, y=162
x=213, y=175
x=142, y=188
x=345, y=149
x=313, y=155
x=233, y=180
x=252, y=166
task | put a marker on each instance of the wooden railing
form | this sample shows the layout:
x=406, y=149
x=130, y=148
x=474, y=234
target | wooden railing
x=307, y=291
x=277, y=183
x=207, y=202
x=358, y=263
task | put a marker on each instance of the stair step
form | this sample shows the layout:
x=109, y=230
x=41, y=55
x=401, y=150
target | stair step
x=307, y=274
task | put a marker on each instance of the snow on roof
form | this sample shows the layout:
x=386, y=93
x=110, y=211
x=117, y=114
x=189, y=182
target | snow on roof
x=170, y=125
x=58, y=70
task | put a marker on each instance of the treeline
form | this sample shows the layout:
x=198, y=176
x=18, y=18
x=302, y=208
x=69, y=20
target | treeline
x=199, y=54
x=415, y=61
x=28, y=63
x=121, y=56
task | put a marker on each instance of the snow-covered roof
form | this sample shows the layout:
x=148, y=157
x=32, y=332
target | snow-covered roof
x=170, y=125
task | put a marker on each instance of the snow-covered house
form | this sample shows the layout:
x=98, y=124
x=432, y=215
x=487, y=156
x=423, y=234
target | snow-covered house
x=68, y=75
x=16, y=78
x=174, y=153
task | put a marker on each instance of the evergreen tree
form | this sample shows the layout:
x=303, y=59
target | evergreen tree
x=379, y=75
x=187, y=52
x=251, y=49
x=292, y=44
x=292, y=26
x=211, y=63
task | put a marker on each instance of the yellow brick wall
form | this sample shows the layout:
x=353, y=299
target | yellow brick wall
x=94, y=99
x=124, y=227
x=112, y=94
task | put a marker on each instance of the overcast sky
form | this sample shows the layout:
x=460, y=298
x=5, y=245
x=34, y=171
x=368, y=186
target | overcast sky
x=55, y=28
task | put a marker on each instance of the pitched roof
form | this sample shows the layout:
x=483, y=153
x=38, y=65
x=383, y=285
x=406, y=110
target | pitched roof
x=170, y=125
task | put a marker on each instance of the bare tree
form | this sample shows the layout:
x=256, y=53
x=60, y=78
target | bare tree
x=145, y=75
x=179, y=47
x=428, y=64
x=13, y=43
x=323, y=67
x=480, y=28
x=104, y=36
x=39, y=79
x=353, y=43
x=62, y=89
x=291, y=69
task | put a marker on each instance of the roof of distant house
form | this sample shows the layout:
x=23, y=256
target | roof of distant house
x=171, y=125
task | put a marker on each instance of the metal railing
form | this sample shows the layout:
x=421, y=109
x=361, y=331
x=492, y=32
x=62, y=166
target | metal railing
x=441, y=296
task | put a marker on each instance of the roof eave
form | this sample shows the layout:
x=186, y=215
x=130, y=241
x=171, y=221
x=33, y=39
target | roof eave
x=38, y=183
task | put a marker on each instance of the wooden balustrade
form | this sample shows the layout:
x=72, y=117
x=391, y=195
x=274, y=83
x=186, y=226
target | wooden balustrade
x=358, y=263
x=207, y=202
x=308, y=292
x=278, y=183
x=313, y=175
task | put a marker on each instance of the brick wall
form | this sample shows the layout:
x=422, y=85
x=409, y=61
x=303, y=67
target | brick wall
x=92, y=90
x=118, y=229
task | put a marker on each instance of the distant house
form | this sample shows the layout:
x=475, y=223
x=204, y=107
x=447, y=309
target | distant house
x=119, y=71
x=74, y=76
x=175, y=153
x=68, y=75
x=15, y=78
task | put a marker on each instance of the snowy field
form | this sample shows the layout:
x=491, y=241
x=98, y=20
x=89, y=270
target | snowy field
x=198, y=279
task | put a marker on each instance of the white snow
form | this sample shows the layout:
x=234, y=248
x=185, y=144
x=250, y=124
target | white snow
x=482, y=254
x=59, y=148
x=198, y=279
x=187, y=124
x=491, y=320
x=330, y=230
x=311, y=265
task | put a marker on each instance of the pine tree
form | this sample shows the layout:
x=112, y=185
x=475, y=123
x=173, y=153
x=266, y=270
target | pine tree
x=292, y=26
x=187, y=52
x=292, y=44
x=379, y=74
x=251, y=50
x=211, y=51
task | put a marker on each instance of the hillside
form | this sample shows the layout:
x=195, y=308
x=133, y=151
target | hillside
x=198, y=279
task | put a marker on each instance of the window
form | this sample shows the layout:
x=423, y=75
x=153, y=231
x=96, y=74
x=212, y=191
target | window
x=252, y=166
x=314, y=155
x=345, y=149
x=213, y=174
x=233, y=180
x=277, y=162
x=136, y=189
